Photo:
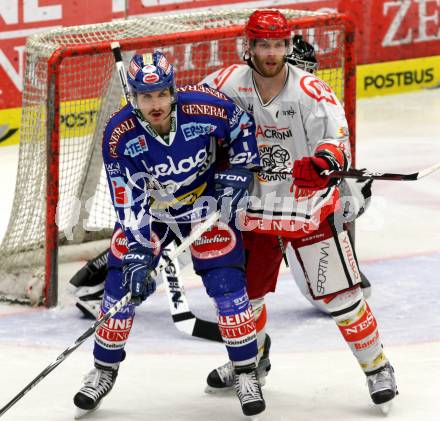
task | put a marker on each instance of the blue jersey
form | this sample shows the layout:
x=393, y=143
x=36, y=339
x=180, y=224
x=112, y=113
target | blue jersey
x=164, y=177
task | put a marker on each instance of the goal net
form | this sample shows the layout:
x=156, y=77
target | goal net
x=71, y=88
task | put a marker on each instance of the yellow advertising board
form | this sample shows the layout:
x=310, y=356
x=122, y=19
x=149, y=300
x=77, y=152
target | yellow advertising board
x=394, y=77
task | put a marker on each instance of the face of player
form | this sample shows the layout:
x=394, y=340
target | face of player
x=156, y=107
x=268, y=55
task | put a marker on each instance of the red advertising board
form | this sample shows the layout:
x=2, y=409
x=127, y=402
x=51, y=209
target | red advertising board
x=394, y=29
x=19, y=19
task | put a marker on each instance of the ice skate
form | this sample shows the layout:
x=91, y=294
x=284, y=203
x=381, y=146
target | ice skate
x=97, y=384
x=382, y=387
x=222, y=378
x=248, y=389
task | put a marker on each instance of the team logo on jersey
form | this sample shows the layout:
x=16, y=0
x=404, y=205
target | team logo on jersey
x=276, y=159
x=121, y=193
x=193, y=130
x=136, y=146
x=272, y=132
x=217, y=241
x=317, y=89
x=117, y=132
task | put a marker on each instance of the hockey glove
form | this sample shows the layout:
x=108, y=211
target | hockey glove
x=137, y=265
x=231, y=191
x=308, y=172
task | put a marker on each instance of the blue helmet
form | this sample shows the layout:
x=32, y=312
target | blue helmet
x=150, y=72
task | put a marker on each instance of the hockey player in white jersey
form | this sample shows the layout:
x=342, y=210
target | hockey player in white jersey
x=301, y=129
x=357, y=193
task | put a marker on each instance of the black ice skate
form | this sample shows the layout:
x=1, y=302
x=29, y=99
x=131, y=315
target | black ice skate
x=222, y=378
x=382, y=387
x=248, y=389
x=97, y=384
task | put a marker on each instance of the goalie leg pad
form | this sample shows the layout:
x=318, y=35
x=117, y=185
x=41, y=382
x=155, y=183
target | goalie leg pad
x=110, y=338
x=358, y=326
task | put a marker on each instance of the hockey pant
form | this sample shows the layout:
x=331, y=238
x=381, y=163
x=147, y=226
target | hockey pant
x=328, y=263
x=218, y=257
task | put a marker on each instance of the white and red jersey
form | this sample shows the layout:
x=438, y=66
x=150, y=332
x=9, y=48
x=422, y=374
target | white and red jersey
x=303, y=117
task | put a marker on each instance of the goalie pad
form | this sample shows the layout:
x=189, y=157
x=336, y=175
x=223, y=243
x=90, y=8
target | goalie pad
x=87, y=284
x=355, y=196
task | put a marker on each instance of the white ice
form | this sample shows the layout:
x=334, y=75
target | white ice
x=314, y=375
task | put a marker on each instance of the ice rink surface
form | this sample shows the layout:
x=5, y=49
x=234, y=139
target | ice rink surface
x=313, y=376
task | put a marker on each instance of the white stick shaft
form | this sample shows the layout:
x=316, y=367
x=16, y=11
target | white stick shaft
x=116, y=48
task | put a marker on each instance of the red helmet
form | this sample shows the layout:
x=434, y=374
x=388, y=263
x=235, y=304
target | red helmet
x=268, y=24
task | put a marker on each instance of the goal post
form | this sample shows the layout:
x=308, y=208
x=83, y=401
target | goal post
x=71, y=89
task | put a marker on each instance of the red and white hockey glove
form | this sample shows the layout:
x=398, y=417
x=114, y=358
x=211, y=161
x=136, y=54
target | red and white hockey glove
x=308, y=172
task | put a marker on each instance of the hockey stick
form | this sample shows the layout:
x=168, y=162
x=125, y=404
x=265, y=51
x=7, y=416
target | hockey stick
x=367, y=175
x=183, y=318
x=195, y=234
x=116, y=49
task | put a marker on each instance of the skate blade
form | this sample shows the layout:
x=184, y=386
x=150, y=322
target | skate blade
x=81, y=413
x=385, y=408
x=218, y=390
x=222, y=390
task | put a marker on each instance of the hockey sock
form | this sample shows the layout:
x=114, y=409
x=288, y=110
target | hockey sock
x=359, y=328
x=110, y=338
x=260, y=315
x=237, y=327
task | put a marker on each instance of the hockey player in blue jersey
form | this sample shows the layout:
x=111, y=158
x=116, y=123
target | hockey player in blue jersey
x=159, y=155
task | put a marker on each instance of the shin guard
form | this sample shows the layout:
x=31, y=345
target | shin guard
x=359, y=328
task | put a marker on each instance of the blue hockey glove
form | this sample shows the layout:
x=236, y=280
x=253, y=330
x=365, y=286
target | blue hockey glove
x=232, y=190
x=137, y=265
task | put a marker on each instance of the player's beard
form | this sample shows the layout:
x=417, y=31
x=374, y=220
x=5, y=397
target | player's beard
x=264, y=67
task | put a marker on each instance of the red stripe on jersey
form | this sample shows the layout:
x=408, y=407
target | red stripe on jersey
x=224, y=75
